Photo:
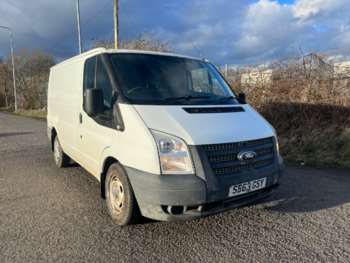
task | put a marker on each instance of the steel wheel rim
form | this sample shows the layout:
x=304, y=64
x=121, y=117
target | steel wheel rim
x=56, y=149
x=117, y=195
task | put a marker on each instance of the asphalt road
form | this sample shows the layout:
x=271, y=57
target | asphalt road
x=48, y=214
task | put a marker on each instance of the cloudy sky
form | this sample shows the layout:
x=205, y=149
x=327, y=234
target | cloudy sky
x=225, y=31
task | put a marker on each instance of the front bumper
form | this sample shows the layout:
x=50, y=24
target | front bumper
x=155, y=193
x=174, y=197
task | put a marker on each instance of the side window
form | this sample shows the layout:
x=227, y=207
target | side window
x=200, y=80
x=89, y=73
x=217, y=90
x=205, y=81
x=103, y=82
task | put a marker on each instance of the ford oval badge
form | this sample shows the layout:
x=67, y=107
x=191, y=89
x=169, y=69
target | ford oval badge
x=246, y=155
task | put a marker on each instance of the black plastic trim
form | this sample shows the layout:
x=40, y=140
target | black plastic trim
x=213, y=110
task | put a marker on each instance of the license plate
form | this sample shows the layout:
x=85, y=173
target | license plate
x=247, y=187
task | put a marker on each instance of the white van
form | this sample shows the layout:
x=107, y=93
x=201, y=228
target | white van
x=164, y=134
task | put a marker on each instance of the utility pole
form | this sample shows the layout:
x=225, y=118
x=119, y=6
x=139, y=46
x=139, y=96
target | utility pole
x=78, y=24
x=13, y=64
x=116, y=24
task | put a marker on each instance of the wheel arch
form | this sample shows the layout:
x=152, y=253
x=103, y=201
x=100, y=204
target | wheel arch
x=52, y=137
x=108, y=161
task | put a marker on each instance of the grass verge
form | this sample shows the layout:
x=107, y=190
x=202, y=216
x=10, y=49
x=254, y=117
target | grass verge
x=36, y=114
x=312, y=135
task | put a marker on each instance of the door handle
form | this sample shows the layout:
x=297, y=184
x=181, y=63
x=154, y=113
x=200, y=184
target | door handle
x=80, y=118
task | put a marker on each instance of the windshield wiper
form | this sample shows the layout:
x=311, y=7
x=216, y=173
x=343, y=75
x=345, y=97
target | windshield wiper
x=188, y=97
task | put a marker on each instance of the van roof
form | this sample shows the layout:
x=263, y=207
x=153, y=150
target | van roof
x=133, y=51
x=97, y=51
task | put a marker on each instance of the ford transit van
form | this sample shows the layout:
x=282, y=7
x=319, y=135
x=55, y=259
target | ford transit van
x=164, y=134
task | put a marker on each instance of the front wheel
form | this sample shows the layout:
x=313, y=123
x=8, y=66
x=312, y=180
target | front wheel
x=61, y=159
x=120, y=199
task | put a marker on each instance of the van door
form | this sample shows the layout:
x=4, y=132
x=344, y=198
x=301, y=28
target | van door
x=95, y=134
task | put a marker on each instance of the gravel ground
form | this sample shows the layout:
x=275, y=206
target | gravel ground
x=48, y=214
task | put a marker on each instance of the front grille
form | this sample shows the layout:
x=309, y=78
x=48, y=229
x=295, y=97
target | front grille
x=224, y=161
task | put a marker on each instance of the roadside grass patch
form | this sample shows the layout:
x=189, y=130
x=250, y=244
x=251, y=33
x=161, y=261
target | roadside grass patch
x=346, y=146
x=36, y=114
x=312, y=135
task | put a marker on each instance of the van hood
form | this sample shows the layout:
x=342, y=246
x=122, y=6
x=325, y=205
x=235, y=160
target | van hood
x=206, y=128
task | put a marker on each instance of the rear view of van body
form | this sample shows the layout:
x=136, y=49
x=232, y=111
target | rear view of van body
x=164, y=134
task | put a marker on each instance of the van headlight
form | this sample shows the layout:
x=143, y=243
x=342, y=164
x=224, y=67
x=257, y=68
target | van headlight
x=174, y=155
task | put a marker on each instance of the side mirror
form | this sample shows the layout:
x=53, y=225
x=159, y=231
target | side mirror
x=242, y=98
x=94, y=102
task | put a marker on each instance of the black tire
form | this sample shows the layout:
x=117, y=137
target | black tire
x=61, y=159
x=120, y=199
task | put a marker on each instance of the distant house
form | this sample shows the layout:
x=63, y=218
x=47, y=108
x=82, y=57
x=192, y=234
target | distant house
x=256, y=76
x=341, y=80
x=342, y=69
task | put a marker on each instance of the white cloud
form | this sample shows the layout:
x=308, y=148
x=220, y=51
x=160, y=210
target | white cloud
x=45, y=25
x=271, y=30
x=268, y=27
x=306, y=9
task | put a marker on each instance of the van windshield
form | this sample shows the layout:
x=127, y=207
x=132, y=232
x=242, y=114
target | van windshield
x=157, y=79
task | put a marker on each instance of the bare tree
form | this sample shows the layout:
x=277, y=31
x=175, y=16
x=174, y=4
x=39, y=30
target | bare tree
x=305, y=79
x=5, y=85
x=32, y=73
x=144, y=42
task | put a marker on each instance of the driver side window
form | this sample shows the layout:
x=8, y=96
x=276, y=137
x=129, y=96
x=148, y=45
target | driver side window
x=103, y=82
x=89, y=73
x=96, y=77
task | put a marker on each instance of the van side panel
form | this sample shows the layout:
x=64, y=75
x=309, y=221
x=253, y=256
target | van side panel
x=64, y=97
